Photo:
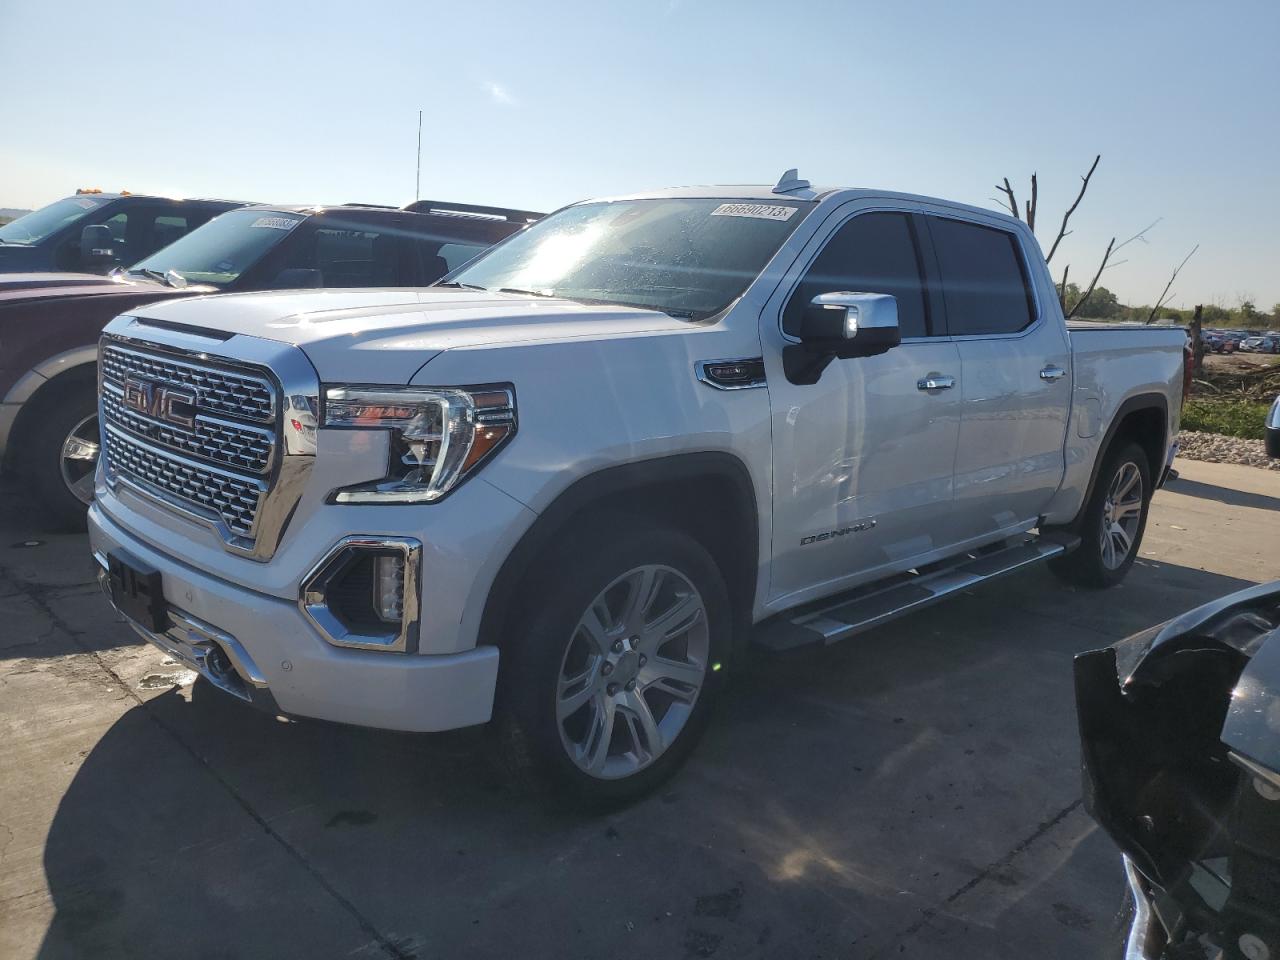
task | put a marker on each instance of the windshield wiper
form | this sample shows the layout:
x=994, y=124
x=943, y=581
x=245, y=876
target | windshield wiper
x=527, y=293
x=157, y=275
x=461, y=286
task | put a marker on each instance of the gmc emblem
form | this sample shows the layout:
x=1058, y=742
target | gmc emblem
x=160, y=402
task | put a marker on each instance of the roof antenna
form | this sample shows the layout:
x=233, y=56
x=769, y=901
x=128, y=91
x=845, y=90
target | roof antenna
x=791, y=181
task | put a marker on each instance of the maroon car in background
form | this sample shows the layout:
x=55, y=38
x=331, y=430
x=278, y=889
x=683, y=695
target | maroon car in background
x=49, y=323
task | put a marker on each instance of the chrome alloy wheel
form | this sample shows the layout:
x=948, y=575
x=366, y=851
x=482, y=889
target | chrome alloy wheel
x=1121, y=515
x=78, y=460
x=632, y=671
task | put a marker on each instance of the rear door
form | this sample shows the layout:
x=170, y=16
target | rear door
x=1015, y=382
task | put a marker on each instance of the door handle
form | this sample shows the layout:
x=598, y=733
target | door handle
x=1052, y=372
x=936, y=381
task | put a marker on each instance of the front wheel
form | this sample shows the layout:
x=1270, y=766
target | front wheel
x=61, y=455
x=613, y=681
x=1113, y=521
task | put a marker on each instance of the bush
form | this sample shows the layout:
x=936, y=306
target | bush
x=1234, y=418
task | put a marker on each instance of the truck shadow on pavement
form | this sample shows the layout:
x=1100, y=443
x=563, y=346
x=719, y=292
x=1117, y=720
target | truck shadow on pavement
x=1227, y=495
x=916, y=786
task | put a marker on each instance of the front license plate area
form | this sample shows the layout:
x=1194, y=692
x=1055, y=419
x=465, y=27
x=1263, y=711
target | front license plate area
x=136, y=592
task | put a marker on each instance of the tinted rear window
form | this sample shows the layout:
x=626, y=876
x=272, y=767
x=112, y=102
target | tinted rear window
x=983, y=282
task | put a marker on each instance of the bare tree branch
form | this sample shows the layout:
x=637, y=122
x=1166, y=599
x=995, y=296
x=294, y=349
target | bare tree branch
x=1165, y=293
x=1111, y=247
x=1012, y=201
x=1033, y=203
x=1062, y=290
x=1062, y=231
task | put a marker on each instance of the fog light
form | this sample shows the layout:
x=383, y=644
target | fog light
x=388, y=587
x=364, y=594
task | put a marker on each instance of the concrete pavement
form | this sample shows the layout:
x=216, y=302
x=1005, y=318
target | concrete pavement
x=913, y=791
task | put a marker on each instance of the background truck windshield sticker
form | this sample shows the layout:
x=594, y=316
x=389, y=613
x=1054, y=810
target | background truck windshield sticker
x=761, y=211
x=275, y=223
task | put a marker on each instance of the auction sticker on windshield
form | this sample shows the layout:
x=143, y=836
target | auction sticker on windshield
x=275, y=223
x=761, y=211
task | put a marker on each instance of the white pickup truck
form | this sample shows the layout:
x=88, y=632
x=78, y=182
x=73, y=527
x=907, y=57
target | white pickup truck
x=567, y=486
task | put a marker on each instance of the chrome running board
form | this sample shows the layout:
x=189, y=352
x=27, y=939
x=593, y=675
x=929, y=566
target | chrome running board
x=836, y=618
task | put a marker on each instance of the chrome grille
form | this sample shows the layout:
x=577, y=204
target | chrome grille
x=217, y=463
x=220, y=391
x=219, y=441
x=215, y=494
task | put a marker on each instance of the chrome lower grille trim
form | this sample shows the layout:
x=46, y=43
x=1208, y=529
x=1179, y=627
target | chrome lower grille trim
x=204, y=490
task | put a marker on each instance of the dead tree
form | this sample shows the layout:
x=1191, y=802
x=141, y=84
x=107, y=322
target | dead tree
x=1164, y=295
x=1028, y=216
x=1197, y=340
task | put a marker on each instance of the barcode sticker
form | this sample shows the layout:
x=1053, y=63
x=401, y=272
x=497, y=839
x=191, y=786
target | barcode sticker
x=760, y=211
x=275, y=223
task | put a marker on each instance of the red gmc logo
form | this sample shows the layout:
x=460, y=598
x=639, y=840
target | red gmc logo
x=160, y=401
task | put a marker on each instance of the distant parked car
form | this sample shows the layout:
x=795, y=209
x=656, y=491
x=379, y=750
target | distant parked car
x=49, y=323
x=1263, y=344
x=94, y=232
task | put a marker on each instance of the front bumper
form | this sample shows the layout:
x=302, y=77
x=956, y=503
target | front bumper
x=1145, y=939
x=263, y=650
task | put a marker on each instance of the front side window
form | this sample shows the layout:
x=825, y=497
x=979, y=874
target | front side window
x=687, y=257
x=38, y=224
x=984, y=284
x=872, y=253
x=224, y=248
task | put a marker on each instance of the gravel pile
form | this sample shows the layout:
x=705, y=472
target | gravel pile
x=1215, y=448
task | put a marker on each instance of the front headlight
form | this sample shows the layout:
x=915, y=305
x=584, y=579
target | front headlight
x=439, y=435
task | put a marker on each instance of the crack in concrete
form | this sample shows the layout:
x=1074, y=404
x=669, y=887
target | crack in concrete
x=36, y=593
x=930, y=912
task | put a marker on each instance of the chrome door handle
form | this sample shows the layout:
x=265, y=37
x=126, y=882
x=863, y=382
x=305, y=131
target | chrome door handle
x=1052, y=372
x=936, y=381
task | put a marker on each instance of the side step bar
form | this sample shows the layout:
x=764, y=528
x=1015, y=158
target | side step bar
x=836, y=618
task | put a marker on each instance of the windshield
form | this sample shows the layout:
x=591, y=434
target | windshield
x=38, y=224
x=686, y=257
x=223, y=248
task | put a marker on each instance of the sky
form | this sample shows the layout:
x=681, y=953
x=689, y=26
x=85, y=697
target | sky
x=539, y=104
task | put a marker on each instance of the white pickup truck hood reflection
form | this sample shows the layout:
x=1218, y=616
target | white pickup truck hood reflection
x=386, y=335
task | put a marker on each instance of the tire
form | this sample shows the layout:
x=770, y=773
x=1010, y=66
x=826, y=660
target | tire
x=593, y=657
x=71, y=409
x=1098, y=561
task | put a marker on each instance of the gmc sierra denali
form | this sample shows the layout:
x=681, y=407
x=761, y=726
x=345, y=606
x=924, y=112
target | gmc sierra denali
x=564, y=488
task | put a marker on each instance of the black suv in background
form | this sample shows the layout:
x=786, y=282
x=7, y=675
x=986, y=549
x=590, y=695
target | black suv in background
x=94, y=231
x=49, y=323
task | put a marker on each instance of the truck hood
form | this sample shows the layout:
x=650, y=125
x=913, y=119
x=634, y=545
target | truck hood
x=385, y=336
x=31, y=287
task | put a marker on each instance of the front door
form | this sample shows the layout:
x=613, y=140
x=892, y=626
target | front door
x=1015, y=381
x=863, y=459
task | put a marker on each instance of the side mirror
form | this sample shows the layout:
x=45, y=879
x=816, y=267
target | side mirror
x=297, y=278
x=841, y=325
x=97, y=246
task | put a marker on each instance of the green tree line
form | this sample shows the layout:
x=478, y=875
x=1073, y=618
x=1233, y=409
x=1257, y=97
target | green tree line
x=1105, y=305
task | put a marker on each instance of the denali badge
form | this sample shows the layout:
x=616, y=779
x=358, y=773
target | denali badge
x=832, y=534
x=160, y=402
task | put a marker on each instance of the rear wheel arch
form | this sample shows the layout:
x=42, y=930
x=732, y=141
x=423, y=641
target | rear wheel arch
x=707, y=495
x=1142, y=419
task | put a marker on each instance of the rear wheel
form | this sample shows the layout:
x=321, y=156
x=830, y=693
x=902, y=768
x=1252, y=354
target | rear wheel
x=1113, y=521
x=613, y=681
x=60, y=453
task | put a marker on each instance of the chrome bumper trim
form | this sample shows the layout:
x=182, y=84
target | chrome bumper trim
x=214, y=654
x=1145, y=940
